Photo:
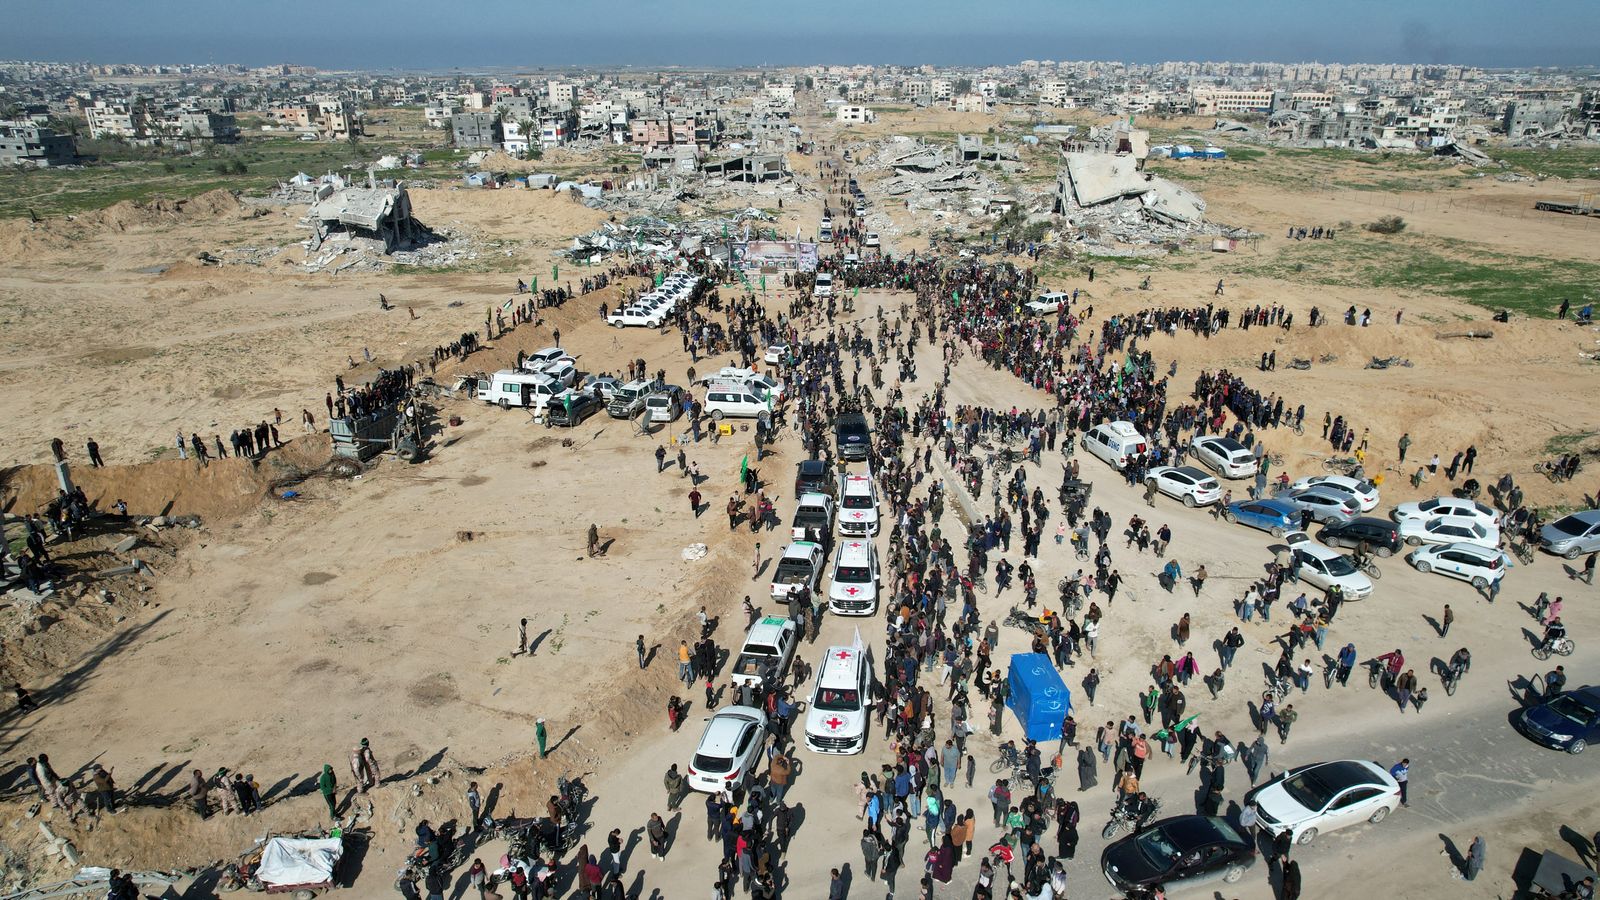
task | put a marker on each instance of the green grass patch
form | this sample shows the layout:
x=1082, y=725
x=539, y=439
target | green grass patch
x=1530, y=285
x=1562, y=444
x=1566, y=162
x=135, y=174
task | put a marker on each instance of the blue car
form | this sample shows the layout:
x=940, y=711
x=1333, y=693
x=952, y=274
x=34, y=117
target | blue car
x=1569, y=722
x=1268, y=515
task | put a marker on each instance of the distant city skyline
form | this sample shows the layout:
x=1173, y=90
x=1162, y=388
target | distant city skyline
x=413, y=34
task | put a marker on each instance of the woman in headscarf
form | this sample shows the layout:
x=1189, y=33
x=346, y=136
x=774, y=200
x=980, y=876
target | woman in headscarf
x=942, y=861
x=1086, y=768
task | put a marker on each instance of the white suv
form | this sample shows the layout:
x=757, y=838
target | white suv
x=1115, y=442
x=1225, y=456
x=729, y=750
x=854, y=590
x=858, y=506
x=727, y=400
x=836, y=720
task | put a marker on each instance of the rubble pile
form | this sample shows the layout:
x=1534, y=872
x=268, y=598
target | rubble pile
x=661, y=238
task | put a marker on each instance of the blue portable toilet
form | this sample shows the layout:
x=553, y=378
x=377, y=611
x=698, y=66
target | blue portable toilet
x=1038, y=696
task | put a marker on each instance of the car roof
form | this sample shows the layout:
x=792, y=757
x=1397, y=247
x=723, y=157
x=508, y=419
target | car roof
x=1312, y=548
x=1277, y=506
x=857, y=484
x=1368, y=521
x=722, y=732
x=1226, y=443
x=1463, y=521
x=812, y=467
x=1317, y=490
x=1193, y=472
x=1344, y=773
x=1340, y=481
x=1586, y=516
x=854, y=553
x=1478, y=550
x=801, y=550
x=767, y=629
x=1123, y=429
x=813, y=498
x=839, y=667
x=1189, y=832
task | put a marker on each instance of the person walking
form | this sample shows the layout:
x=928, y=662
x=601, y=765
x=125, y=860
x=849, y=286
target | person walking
x=1448, y=617
x=1588, y=567
x=522, y=638
x=638, y=646
x=1401, y=773
x=675, y=784
x=1405, y=444
x=94, y=454
x=594, y=539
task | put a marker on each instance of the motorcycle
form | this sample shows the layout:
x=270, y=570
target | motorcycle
x=1123, y=818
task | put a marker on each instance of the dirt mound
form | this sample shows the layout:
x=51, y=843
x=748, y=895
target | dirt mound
x=217, y=204
x=172, y=487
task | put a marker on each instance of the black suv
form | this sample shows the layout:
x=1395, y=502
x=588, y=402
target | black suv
x=1382, y=535
x=814, y=477
x=853, y=436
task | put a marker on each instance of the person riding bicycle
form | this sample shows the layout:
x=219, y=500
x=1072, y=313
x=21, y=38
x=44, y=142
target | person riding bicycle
x=1362, y=555
x=1008, y=752
x=1553, y=633
x=1393, y=664
x=1460, y=662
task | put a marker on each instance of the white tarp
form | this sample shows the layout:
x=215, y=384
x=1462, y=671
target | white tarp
x=291, y=861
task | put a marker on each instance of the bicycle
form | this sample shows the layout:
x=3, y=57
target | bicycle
x=1449, y=677
x=1343, y=465
x=1562, y=646
x=1522, y=552
x=1279, y=688
x=1374, y=673
x=1297, y=426
x=1368, y=567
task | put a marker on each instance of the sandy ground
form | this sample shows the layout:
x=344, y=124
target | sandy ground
x=275, y=639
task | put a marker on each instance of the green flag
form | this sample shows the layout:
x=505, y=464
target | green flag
x=763, y=284
x=857, y=291
x=534, y=289
x=744, y=467
x=724, y=230
x=555, y=272
x=660, y=278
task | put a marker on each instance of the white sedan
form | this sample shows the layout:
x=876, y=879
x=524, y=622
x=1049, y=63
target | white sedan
x=1446, y=506
x=647, y=318
x=1449, y=530
x=1482, y=566
x=1324, y=567
x=1364, y=492
x=1309, y=800
x=776, y=354
x=1192, y=486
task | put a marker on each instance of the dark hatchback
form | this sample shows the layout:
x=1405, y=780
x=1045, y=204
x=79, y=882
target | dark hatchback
x=814, y=477
x=1182, y=851
x=1382, y=535
x=1570, y=722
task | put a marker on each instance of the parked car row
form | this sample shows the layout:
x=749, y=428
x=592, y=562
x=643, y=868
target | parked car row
x=651, y=309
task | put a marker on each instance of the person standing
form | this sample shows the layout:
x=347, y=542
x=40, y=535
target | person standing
x=1401, y=773
x=522, y=638
x=674, y=782
x=327, y=784
x=474, y=805
x=1477, y=852
x=638, y=646
x=594, y=539
x=94, y=454
x=1588, y=567
x=1405, y=444
x=871, y=851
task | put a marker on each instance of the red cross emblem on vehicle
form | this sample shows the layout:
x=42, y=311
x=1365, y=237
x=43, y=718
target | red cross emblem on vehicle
x=842, y=654
x=852, y=591
x=834, y=724
x=857, y=515
x=855, y=545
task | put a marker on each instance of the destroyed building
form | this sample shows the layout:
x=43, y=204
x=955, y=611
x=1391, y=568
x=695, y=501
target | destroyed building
x=1108, y=197
x=381, y=215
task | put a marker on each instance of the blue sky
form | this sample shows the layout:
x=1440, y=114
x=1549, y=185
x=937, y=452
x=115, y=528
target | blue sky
x=440, y=34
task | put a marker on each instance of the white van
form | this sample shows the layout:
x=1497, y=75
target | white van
x=854, y=588
x=1115, y=442
x=824, y=285
x=858, y=506
x=836, y=719
x=725, y=399
x=825, y=232
x=509, y=387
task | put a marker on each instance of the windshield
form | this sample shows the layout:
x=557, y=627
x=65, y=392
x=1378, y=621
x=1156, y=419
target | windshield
x=858, y=501
x=810, y=514
x=839, y=699
x=853, y=574
x=1308, y=789
x=1156, y=848
x=1339, y=565
x=1572, y=709
x=1570, y=525
x=760, y=650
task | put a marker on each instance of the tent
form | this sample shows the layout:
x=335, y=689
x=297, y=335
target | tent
x=299, y=862
x=1038, y=696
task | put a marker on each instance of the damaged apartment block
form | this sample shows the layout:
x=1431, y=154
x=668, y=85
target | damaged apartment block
x=378, y=216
